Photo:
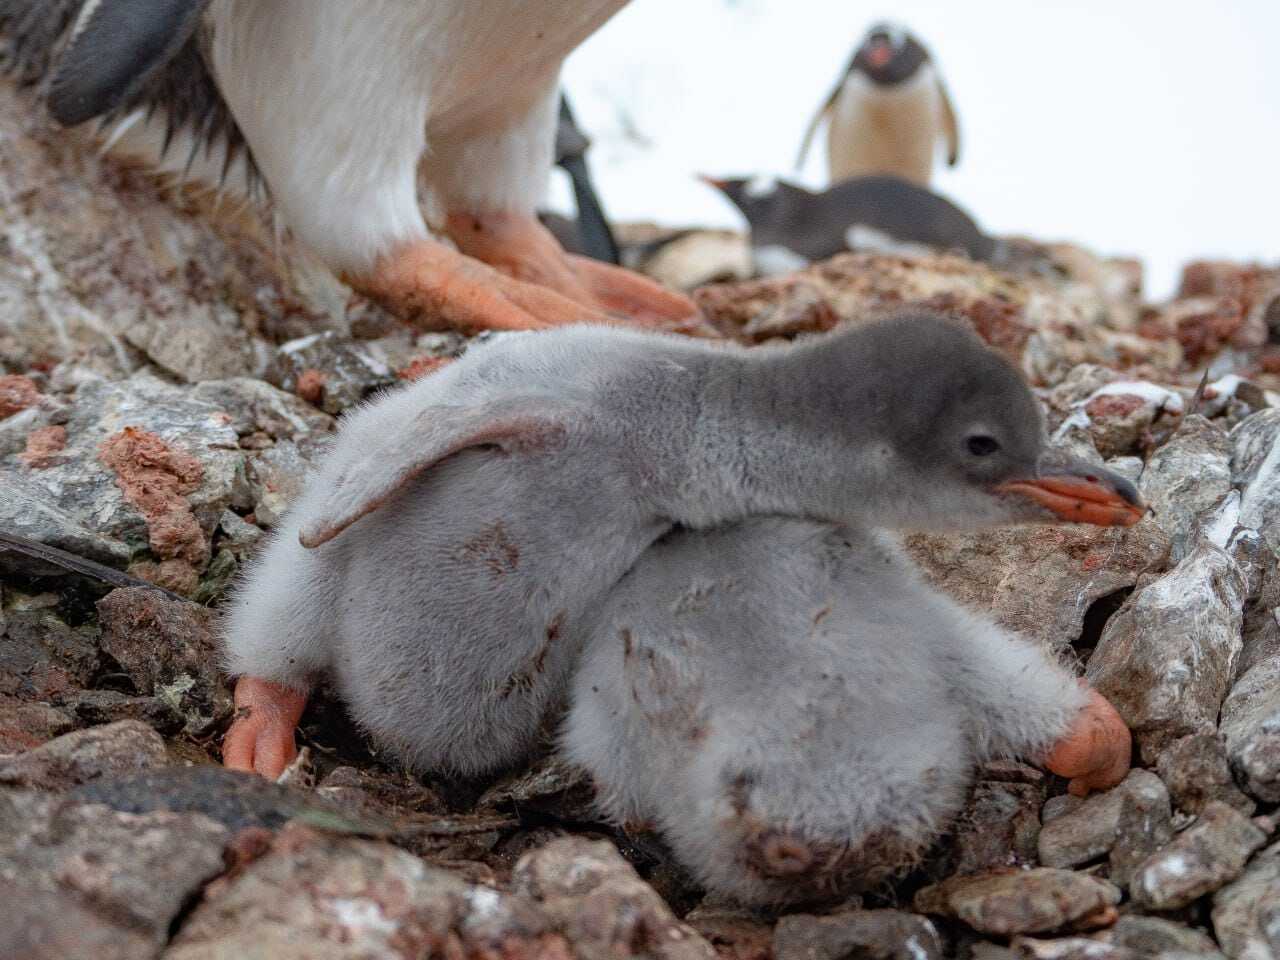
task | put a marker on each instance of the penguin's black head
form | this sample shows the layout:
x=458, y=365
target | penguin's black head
x=757, y=197
x=889, y=55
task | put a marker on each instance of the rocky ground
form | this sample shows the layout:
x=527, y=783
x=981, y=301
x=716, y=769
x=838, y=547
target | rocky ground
x=171, y=369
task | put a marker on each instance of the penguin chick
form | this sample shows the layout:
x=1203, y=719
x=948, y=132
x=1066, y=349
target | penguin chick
x=800, y=715
x=439, y=563
x=342, y=113
x=792, y=227
x=888, y=112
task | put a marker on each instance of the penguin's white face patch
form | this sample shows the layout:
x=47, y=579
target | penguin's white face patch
x=761, y=186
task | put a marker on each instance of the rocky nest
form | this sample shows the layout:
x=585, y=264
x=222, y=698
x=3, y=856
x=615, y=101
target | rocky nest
x=170, y=372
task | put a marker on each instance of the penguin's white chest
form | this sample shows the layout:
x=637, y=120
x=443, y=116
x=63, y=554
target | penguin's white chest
x=891, y=130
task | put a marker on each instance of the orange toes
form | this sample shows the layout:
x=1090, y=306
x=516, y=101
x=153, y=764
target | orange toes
x=1096, y=752
x=260, y=739
x=637, y=298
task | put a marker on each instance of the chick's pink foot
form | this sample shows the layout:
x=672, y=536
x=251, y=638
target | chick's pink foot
x=1097, y=750
x=261, y=736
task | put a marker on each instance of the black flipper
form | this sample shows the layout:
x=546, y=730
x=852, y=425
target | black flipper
x=595, y=236
x=112, y=55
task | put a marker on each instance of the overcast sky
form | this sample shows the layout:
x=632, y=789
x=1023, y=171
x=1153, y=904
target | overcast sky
x=1132, y=126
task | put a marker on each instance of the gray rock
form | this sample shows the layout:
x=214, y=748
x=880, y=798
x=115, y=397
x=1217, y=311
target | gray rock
x=108, y=751
x=314, y=896
x=29, y=510
x=551, y=783
x=999, y=826
x=256, y=407
x=25, y=725
x=1041, y=900
x=98, y=707
x=80, y=486
x=1255, y=469
x=1166, y=658
x=1185, y=477
x=1071, y=948
x=135, y=873
x=1157, y=937
x=873, y=934
x=41, y=658
x=1251, y=728
x=1039, y=581
x=601, y=905
x=1246, y=913
x=1262, y=624
x=1145, y=825
x=1196, y=771
x=170, y=650
x=347, y=371
x=1089, y=830
x=1200, y=860
x=277, y=476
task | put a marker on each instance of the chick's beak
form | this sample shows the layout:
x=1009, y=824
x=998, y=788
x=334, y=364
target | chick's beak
x=1079, y=492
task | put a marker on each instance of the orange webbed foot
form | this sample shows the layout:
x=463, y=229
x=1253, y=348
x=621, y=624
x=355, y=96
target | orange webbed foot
x=1097, y=750
x=260, y=739
x=647, y=303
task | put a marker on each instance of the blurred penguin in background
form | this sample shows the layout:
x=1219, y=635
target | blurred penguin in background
x=888, y=112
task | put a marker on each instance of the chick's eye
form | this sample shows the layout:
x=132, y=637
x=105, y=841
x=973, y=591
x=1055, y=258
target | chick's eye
x=982, y=445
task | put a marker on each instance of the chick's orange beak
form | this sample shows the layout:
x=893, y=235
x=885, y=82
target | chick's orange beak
x=1082, y=495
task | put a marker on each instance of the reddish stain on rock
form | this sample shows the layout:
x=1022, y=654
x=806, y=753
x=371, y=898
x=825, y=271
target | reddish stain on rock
x=16, y=394
x=1113, y=405
x=310, y=386
x=419, y=367
x=156, y=479
x=43, y=445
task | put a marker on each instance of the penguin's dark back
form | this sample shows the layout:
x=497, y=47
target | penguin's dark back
x=818, y=225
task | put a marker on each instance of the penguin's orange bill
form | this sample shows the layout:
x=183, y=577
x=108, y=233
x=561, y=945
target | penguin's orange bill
x=1078, y=500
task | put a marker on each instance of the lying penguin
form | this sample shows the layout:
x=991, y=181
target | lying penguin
x=800, y=715
x=341, y=112
x=888, y=112
x=440, y=563
x=792, y=227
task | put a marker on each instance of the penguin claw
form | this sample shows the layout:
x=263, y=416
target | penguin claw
x=260, y=739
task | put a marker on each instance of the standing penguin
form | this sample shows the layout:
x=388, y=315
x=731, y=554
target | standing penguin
x=888, y=112
x=800, y=715
x=341, y=113
x=441, y=562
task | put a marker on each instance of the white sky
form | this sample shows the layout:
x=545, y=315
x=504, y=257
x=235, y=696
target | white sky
x=1146, y=127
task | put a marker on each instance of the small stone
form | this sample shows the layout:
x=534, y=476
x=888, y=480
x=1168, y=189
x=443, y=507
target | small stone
x=1196, y=772
x=1185, y=477
x=73, y=758
x=17, y=394
x=169, y=649
x=385, y=794
x=1071, y=948
x=1157, y=937
x=735, y=934
x=1059, y=806
x=1041, y=900
x=1145, y=825
x=26, y=725
x=873, y=934
x=313, y=896
x=1251, y=729
x=1255, y=470
x=41, y=658
x=1200, y=860
x=999, y=827
x=550, y=784
x=95, y=707
x=596, y=899
x=43, y=446
x=1167, y=656
x=1089, y=830
x=277, y=476
x=336, y=371
x=1246, y=912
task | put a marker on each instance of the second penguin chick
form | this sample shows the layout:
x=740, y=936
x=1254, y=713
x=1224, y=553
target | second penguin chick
x=440, y=562
x=888, y=112
x=800, y=715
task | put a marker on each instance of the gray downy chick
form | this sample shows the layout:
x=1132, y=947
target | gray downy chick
x=792, y=227
x=440, y=562
x=797, y=712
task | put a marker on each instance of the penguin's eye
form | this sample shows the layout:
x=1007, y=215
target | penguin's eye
x=982, y=445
